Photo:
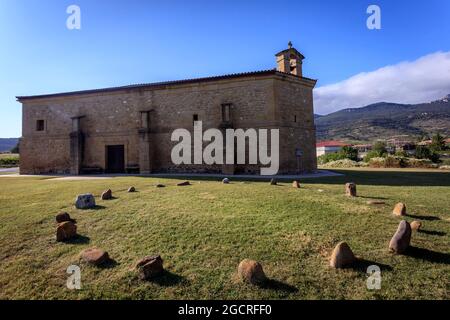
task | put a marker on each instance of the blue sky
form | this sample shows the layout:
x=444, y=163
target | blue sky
x=125, y=42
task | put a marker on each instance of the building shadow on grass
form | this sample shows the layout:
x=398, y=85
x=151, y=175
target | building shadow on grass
x=385, y=178
x=168, y=279
x=272, y=284
x=78, y=239
x=428, y=255
x=361, y=265
x=428, y=218
x=433, y=233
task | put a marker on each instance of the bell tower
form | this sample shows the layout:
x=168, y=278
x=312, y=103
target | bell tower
x=290, y=61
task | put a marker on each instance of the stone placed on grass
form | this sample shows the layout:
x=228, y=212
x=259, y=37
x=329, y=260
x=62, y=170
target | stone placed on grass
x=65, y=231
x=63, y=217
x=350, y=189
x=295, y=184
x=184, y=183
x=416, y=225
x=251, y=271
x=85, y=201
x=342, y=256
x=401, y=239
x=131, y=189
x=107, y=195
x=226, y=181
x=273, y=182
x=159, y=185
x=94, y=256
x=399, y=209
x=150, y=267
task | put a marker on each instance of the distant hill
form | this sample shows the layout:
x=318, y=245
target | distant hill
x=384, y=120
x=6, y=144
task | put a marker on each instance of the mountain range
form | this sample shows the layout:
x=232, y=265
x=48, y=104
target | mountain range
x=376, y=121
x=384, y=120
x=6, y=144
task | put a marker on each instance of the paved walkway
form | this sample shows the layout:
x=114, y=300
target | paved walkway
x=9, y=169
x=318, y=174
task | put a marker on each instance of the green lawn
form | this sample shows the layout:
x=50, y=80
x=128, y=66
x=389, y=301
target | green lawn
x=203, y=231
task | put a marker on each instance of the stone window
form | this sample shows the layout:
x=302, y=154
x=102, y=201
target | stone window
x=295, y=118
x=40, y=125
x=226, y=112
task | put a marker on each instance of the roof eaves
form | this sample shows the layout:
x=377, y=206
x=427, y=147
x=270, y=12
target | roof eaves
x=151, y=85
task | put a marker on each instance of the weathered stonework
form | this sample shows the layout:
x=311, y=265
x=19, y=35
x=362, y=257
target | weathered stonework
x=80, y=126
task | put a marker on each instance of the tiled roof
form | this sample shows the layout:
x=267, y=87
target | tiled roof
x=166, y=83
x=331, y=144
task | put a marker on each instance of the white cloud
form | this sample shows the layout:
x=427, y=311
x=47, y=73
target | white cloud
x=423, y=80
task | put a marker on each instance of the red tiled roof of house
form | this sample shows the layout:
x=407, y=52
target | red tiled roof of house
x=362, y=145
x=331, y=144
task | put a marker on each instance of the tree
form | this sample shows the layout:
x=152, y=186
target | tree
x=378, y=151
x=15, y=149
x=380, y=148
x=348, y=152
x=437, y=143
x=423, y=152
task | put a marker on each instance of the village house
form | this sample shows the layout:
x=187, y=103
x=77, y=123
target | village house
x=326, y=147
x=362, y=149
x=128, y=128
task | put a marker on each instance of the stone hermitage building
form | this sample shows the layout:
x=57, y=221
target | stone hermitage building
x=128, y=129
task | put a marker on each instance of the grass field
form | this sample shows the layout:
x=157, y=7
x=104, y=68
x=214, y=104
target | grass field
x=203, y=231
x=8, y=155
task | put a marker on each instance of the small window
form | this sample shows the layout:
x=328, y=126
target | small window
x=40, y=125
x=195, y=117
x=295, y=118
x=226, y=112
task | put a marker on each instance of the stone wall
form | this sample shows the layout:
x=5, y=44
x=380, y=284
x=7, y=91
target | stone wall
x=114, y=117
x=294, y=100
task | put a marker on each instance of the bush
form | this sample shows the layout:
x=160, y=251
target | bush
x=373, y=154
x=15, y=149
x=437, y=143
x=419, y=163
x=376, y=162
x=394, y=162
x=402, y=153
x=344, y=163
x=346, y=152
x=9, y=162
x=325, y=158
x=380, y=148
x=349, y=153
x=400, y=162
x=423, y=152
